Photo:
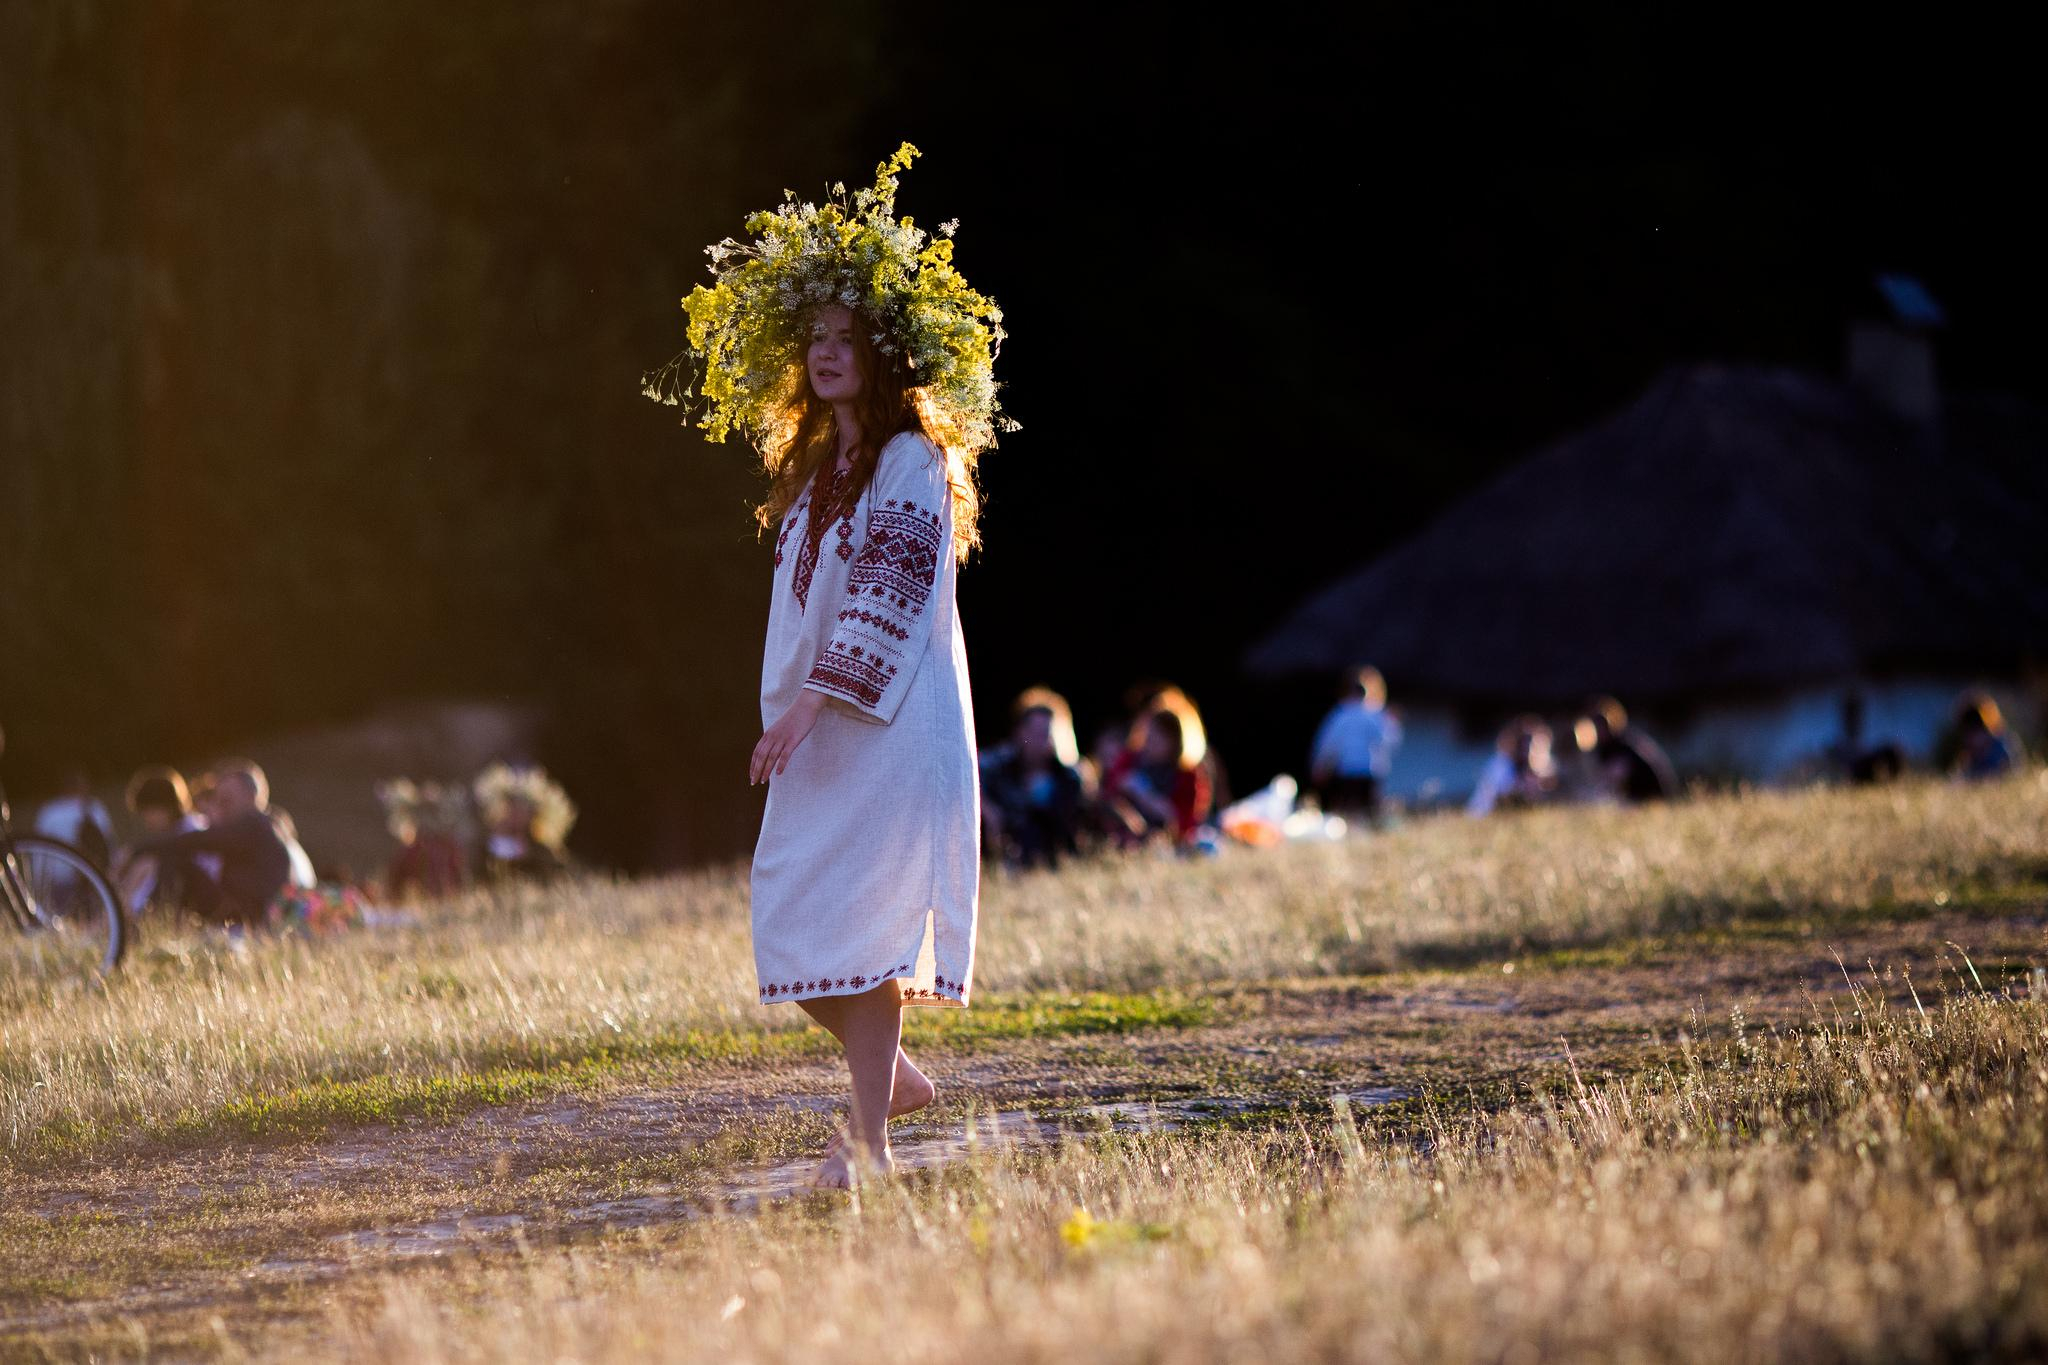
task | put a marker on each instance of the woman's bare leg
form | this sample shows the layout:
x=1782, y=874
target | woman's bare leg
x=912, y=1091
x=869, y=1027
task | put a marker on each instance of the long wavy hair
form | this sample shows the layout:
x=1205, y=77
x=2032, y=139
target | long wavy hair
x=805, y=437
x=1039, y=697
x=1182, y=721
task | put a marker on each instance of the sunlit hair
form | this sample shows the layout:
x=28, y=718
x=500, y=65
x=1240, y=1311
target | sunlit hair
x=803, y=437
x=158, y=787
x=1040, y=698
x=1978, y=707
x=251, y=772
x=1194, y=741
x=1610, y=710
x=1366, y=680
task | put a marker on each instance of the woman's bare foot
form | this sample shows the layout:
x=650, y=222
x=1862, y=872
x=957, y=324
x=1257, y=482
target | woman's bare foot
x=910, y=1091
x=838, y=1171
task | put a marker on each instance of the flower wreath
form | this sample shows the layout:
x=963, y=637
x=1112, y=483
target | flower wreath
x=748, y=332
x=554, y=813
x=427, y=807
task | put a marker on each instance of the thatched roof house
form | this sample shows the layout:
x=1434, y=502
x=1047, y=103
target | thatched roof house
x=1736, y=532
x=1734, y=528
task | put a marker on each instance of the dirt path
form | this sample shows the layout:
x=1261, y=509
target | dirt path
x=170, y=1239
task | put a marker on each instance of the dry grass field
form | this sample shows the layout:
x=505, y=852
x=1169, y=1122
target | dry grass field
x=1756, y=1077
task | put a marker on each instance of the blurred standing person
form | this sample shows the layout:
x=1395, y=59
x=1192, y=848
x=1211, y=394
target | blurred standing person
x=1521, y=771
x=1979, y=744
x=1353, y=750
x=1032, y=786
x=78, y=818
x=1630, y=766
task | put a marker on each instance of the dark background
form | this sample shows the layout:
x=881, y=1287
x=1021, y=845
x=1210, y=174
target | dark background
x=323, y=329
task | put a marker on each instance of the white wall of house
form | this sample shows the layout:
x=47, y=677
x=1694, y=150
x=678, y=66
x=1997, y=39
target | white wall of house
x=1764, y=740
x=1769, y=740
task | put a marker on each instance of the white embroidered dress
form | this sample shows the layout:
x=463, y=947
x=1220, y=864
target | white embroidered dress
x=869, y=861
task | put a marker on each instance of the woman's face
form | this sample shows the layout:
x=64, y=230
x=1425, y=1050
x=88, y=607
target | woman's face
x=834, y=367
x=515, y=817
x=1158, y=743
x=1034, y=735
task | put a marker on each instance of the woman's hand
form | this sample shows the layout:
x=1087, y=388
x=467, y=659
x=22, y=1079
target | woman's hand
x=779, y=741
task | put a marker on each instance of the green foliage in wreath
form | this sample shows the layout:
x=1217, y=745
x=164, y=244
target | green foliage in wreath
x=748, y=331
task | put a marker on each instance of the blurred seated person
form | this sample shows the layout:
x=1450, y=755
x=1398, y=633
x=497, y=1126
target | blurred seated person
x=1151, y=693
x=302, y=874
x=161, y=803
x=526, y=817
x=1158, y=784
x=1850, y=759
x=1032, y=785
x=1629, y=766
x=254, y=862
x=425, y=819
x=78, y=818
x=1353, y=750
x=206, y=811
x=1521, y=772
x=1978, y=744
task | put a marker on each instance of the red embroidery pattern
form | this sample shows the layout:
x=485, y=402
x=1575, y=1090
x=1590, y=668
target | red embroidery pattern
x=910, y=994
x=945, y=990
x=826, y=983
x=784, y=537
x=886, y=624
x=822, y=507
x=900, y=562
x=854, y=672
x=889, y=584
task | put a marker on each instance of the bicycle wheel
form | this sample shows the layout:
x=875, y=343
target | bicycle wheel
x=69, y=912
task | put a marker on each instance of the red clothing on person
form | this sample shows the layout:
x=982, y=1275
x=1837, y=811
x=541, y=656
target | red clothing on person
x=1190, y=795
x=432, y=862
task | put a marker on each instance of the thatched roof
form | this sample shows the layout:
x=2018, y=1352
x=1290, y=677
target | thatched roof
x=1736, y=528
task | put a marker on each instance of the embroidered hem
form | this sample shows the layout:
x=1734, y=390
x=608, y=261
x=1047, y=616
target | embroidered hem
x=943, y=992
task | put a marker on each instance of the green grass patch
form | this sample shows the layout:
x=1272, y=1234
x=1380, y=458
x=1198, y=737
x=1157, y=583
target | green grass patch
x=1007, y=1018
x=531, y=1071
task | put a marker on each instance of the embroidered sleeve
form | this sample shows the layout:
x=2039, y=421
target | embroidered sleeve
x=885, y=619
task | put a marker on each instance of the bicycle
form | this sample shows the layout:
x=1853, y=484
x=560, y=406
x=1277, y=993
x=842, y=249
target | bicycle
x=59, y=900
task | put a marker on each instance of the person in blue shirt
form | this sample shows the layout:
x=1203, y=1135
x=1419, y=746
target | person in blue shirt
x=1353, y=751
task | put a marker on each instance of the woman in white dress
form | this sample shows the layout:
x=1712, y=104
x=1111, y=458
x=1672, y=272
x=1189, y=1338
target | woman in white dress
x=847, y=348
x=866, y=877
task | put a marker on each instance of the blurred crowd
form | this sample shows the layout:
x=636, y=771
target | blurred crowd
x=217, y=849
x=1603, y=756
x=1152, y=780
x=1156, y=780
